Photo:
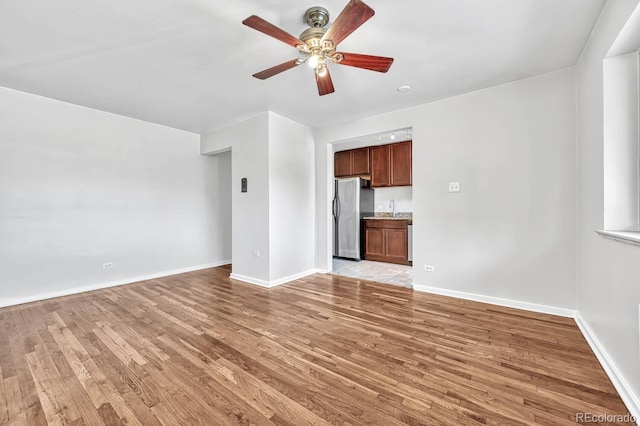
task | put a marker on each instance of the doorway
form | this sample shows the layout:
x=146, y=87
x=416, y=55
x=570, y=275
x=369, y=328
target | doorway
x=391, y=201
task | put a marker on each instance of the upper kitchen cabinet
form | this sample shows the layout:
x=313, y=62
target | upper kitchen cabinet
x=401, y=164
x=360, y=161
x=354, y=162
x=380, y=166
x=391, y=165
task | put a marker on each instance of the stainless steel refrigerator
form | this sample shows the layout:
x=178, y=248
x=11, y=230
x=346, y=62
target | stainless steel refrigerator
x=351, y=202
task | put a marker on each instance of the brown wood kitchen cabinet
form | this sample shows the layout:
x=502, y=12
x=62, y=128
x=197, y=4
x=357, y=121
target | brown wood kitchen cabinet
x=401, y=164
x=380, y=166
x=386, y=240
x=391, y=165
x=354, y=162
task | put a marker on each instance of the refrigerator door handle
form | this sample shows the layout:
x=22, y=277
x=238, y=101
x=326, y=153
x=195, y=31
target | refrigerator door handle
x=335, y=210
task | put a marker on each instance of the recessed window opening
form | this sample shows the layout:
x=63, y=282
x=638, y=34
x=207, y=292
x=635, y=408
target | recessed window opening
x=621, y=109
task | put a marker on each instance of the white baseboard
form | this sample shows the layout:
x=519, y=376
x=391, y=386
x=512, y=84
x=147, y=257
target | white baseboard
x=273, y=283
x=629, y=398
x=543, y=309
x=249, y=280
x=67, y=292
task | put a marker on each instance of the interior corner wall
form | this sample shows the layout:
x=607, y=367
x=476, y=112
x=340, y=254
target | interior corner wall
x=510, y=232
x=249, y=144
x=608, y=290
x=80, y=188
x=291, y=198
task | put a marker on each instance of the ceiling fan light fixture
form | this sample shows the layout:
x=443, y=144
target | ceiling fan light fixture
x=313, y=61
x=321, y=70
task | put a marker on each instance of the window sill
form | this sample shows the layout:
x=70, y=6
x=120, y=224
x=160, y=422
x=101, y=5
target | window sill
x=622, y=236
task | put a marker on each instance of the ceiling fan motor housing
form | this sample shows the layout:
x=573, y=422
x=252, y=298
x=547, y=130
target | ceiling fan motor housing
x=312, y=34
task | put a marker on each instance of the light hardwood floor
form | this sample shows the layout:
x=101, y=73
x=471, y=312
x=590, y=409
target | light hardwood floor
x=199, y=348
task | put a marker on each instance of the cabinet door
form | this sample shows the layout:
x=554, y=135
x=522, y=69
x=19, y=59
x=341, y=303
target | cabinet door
x=401, y=164
x=380, y=175
x=342, y=163
x=360, y=161
x=395, y=242
x=374, y=243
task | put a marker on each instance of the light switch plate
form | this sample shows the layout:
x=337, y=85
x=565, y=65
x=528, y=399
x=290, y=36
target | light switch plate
x=454, y=186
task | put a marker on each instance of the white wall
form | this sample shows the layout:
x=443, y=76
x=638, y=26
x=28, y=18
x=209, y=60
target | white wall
x=80, y=187
x=249, y=144
x=276, y=217
x=608, y=272
x=291, y=198
x=402, y=197
x=510, y=233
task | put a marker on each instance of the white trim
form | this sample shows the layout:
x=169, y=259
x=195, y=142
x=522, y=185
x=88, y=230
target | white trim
x=293, y=277
x=274, y=283
x=625, y=391
x=543, y=309
x=76, y=290
x=628, y=237
x=249, y=280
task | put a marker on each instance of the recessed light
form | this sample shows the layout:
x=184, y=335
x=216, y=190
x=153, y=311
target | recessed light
x=403, y=89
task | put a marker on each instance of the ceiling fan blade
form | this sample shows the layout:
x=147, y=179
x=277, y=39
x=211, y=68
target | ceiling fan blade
x=257, y=23
x=352, y=16
x=263, y=75
x=325, y=85
x=368, y=62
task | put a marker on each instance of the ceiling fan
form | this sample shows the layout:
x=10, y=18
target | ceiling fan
x=317, y=45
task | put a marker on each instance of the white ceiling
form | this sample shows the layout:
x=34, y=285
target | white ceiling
x=188, y=63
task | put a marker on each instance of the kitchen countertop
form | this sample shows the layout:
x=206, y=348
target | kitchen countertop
x=387, y=218
x=386, y=215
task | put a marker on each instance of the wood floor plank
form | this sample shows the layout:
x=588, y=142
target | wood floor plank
x=4, y=411
x=16, y=413
x=21, y=343
x=47, y=396
x=200, y=348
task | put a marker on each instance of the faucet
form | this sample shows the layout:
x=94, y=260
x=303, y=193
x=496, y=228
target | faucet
x=392, y=205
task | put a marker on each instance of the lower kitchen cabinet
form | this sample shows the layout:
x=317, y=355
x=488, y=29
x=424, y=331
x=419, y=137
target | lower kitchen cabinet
x=386, y=240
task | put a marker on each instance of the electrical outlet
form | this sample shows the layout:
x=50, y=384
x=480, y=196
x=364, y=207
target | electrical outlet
x=454, y=186
x=256, y=253
x=107, y=265
x=429, y=268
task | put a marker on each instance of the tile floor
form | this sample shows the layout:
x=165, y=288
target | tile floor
x=388, y=273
